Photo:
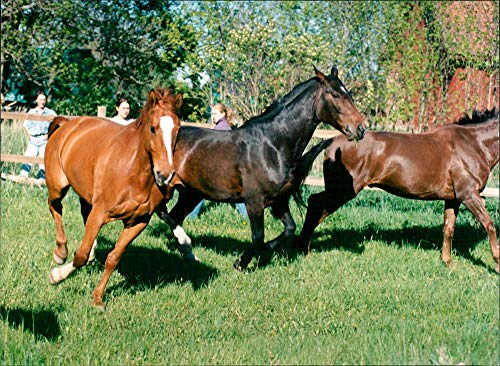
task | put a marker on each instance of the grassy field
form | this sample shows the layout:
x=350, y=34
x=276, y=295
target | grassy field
x=373, y=291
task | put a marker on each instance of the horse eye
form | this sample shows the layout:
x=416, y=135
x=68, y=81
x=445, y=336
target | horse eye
x=153, y=130
x=336, y=95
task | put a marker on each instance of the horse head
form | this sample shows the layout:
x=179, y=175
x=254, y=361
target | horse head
x=334, y=106
x=160, y=126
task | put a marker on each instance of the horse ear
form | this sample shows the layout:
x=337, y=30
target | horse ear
x=334, y=71
x=320, y=75
x=151, y=97
x=178, y=100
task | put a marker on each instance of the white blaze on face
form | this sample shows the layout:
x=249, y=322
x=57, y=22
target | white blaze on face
x=167, y=126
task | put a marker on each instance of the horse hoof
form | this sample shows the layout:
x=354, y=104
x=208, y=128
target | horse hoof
x=238, y=266
x=55, y=276
x=97, y=301
x=57, y=259
x=191, y=258
x=274, y=244
x=99, y=306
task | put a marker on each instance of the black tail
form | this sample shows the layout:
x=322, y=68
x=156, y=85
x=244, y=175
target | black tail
x=305, y=164
x=55, y=124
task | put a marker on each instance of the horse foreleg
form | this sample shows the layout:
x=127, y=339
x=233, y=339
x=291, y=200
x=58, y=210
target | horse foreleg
x=476, y=206
x=450, y=217
x=256, y=217
x=282, y=212
x=127, y=235
x=183, y=240
x=320, y=206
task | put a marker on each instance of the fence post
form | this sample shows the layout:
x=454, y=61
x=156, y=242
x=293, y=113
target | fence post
x=101, y=111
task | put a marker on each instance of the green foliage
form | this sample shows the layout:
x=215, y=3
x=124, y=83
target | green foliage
x=85, y=56
x=255, y=52
x=396, y=57
x=374, y=291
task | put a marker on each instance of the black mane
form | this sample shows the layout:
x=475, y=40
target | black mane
x=277, y=106
x=478, y=117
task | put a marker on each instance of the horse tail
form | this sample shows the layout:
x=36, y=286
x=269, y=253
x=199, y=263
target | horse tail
x=304, y=166
x=55, y=124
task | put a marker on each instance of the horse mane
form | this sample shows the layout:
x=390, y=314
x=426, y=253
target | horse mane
x=277, y=106
x=478, y=117
x=167, y=96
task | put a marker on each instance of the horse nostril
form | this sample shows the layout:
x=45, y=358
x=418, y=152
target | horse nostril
x=160, y=179
x=361, y=131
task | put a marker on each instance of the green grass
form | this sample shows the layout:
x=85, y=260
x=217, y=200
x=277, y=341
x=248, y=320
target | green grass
x=373, y=291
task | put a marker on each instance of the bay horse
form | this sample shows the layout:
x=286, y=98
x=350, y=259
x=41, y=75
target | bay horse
x=116, y=171
x=450, y=163
x=257, y=163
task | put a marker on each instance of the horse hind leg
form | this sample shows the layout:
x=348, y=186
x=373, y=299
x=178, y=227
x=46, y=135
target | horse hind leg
x=450, y=217
x=256, y=217
x=55, y=197
x=85, y=209
x=281, y=211
x=476, y=206
x=92, y=227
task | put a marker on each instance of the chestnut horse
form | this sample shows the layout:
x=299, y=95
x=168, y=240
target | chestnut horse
x=259, y=162
x=451, y=163
x=116, y=171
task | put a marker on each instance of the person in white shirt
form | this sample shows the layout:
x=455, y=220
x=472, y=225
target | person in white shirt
x=122, y=110
x=37, y=135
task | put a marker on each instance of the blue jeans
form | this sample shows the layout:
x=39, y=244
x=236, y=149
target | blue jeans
x=36, y=147
x=196, y=211
x=242, y=210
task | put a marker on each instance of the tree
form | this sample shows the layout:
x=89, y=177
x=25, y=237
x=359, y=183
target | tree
x=255, y=52
x=249, y=63
x=85, y=56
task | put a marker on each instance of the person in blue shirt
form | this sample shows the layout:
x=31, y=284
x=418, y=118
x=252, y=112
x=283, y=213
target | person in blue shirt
x=222, y=119
x=37, y=135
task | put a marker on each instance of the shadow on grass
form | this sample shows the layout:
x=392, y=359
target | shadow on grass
x=228, y=246
x=466, y=239
x=145, y=268
x=42, y=324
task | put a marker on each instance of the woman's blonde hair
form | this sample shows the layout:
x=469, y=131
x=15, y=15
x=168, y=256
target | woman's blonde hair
x=227, y=111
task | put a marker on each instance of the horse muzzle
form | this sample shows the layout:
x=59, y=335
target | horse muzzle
x=161, y=180
x=357, y=135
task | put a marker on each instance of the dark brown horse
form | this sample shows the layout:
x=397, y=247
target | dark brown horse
x=116, y=171
x=259, y=162
x=451, y=163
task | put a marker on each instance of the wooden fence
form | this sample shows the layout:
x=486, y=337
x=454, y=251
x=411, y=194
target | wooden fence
x=314, y=181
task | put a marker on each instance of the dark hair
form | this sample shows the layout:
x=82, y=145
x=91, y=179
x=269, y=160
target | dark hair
x=121, y=100
x=41, y=92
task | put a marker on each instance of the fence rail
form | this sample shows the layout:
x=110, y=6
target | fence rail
x=312, y=181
